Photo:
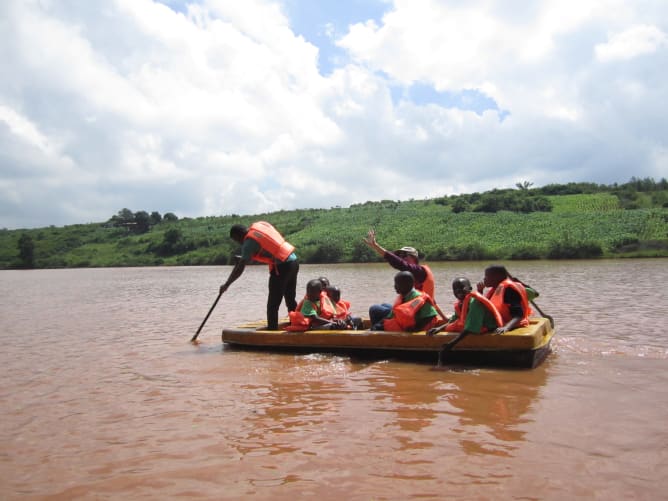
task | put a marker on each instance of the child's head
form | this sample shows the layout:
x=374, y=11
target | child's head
x=313, y=289
x=461, y=286
x=403, y=282
x=495, y=274
x=324, y=281
x=334, y=293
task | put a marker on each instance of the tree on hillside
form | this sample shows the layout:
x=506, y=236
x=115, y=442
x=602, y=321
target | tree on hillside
x=459, y=205
x=646, y=184
x=26, y=251
x=362, y=253
x=155, y=218
x=170, y=216
x=142, y=222
x=172, y=243
x=512, y=200
x=124, y=218
x=327, y=252
x=172, y=237
x=137, y=222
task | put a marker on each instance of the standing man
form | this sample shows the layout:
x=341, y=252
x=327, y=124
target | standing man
x=262, y=242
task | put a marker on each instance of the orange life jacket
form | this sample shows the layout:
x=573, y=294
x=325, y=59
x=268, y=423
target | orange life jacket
x=342, y=309
x=496, y=297
x=299, y=322
x=463, y=311
x=327, y=308
x=428, y=285
x=459, y=322
x=404, y=312
x=271, y=242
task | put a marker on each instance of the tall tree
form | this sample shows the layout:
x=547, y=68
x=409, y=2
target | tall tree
x=26, y=251
x=155, y=217
x=524, y=185
x=142, y=221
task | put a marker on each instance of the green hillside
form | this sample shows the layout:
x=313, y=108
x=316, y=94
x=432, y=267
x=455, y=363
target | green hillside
x=596, y=221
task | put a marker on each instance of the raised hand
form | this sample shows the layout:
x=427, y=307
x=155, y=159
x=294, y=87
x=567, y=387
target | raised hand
x=371, y=238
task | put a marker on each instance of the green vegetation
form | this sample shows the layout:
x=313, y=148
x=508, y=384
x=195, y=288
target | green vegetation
x=570, y=221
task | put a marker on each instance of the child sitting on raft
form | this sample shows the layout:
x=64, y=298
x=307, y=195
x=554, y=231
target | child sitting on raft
x=474, y=313
x=412, y=310
x=316, y=311
x=343, y=308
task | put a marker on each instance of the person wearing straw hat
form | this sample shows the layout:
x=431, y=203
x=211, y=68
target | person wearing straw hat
x=404, y=259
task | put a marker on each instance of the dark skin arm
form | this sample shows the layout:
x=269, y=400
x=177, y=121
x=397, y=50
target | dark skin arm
x=318, y=321
x=512, y=298
x=509, y=326
x=435, y=330
x=417, y=271
x=236, y=272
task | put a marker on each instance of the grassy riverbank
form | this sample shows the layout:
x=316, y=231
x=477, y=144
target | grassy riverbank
x=571, y=226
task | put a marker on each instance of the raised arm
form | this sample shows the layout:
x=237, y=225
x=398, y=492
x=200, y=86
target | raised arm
x=370, y=240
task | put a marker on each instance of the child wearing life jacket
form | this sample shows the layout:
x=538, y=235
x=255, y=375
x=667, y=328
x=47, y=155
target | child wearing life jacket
x=474, y=313
x=316, y=311
x=412, y=310
x=508, y=295
x=342, y=308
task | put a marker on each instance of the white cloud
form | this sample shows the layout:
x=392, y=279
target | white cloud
x=25, y=131
x=632, y=42
x=219, y=108
x=41, y=155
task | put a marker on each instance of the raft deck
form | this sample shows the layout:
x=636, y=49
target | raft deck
x=525, y=347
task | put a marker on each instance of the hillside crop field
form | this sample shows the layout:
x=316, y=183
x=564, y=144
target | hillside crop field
x=578, y=226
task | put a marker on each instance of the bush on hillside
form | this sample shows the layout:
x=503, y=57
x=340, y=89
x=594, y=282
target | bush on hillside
x=574, y=250
x=327, y=252
x=526, y=253
x=363, y=254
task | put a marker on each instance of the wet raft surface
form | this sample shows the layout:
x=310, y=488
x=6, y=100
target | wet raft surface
x=523, y=348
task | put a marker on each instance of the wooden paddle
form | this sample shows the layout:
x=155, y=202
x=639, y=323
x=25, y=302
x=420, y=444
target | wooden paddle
x=447, y=347
x=543, y=314
x=206, y=318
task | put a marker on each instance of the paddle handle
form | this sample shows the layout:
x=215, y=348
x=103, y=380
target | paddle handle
x=449, y=346
x=543, y=314
x=207, y=317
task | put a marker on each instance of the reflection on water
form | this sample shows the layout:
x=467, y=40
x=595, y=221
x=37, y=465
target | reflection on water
x=502, y=415
x=104, y=398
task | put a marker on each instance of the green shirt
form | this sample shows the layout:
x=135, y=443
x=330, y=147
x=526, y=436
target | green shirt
x=310, y=309
x=478, y=317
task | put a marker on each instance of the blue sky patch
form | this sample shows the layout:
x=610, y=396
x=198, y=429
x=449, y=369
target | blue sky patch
x=322, y=22
x=465, y=99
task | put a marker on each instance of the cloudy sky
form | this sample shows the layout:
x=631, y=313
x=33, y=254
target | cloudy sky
x=217, y=107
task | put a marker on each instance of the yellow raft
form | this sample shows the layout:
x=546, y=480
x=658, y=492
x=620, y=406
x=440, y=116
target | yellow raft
x=525, y=347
